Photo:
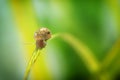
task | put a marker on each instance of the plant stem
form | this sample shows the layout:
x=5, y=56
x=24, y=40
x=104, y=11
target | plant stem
x=31, y=63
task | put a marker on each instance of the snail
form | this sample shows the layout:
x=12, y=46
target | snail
x=41, y=36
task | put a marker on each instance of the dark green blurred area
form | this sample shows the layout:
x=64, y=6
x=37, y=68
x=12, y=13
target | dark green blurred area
x=91, y=21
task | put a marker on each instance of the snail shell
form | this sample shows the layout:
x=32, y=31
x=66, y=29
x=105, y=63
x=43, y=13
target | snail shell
x=41, y=36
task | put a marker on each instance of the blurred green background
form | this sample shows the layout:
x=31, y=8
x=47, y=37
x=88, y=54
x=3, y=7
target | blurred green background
x=88, y=47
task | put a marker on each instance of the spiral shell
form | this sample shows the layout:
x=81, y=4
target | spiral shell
x=41, y=36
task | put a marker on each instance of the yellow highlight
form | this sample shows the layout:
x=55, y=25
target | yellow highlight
x=26, y=23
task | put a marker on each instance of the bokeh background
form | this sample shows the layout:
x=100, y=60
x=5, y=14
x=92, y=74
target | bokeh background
x=89, y=51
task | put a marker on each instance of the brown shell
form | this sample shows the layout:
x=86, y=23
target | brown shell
x=41, y=36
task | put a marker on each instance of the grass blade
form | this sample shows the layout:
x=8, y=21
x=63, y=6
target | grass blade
x=112, y=54
x=31, y=63
x=83, y=51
